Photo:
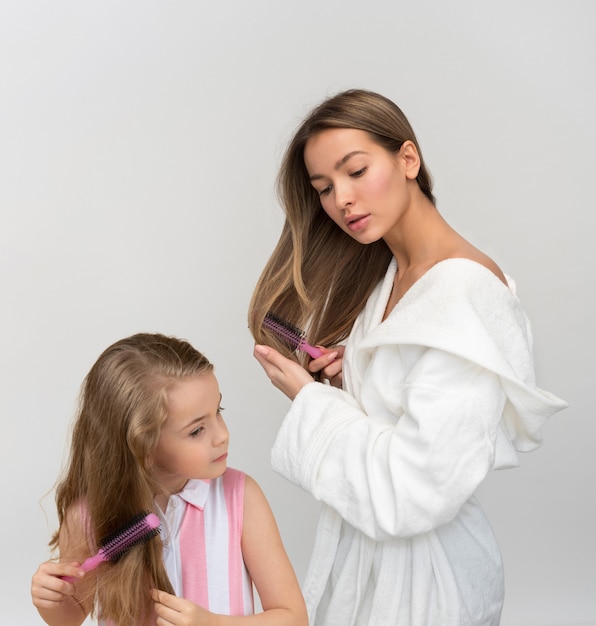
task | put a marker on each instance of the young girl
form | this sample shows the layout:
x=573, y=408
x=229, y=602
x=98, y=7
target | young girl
x=150, y=436
x=430, y=383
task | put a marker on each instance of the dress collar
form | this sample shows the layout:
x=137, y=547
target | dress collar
x=195, y=492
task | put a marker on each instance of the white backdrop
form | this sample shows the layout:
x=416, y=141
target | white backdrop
x=139, y=141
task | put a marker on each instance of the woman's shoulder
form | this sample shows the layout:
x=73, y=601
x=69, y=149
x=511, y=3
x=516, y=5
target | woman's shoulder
x=462, y=278
x=474, y=255
x=458, y=301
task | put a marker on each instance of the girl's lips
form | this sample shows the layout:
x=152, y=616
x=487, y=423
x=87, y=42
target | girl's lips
x=223, y=457
x=358, y=222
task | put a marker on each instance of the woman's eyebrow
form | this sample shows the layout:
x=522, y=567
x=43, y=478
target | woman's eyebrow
x=341, y=162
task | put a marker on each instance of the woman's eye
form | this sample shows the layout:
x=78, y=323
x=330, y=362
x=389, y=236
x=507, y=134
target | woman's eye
x=358, y=173
x=325, y=191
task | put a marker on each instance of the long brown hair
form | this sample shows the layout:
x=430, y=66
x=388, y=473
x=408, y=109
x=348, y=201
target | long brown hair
x=122, y=408
x=318, y=276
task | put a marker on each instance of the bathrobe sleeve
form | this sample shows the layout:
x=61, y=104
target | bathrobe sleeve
x=440, y=394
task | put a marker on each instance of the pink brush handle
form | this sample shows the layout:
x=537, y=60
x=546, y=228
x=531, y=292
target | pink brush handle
x=88, y=564
x=315, y=353
x=140, y=527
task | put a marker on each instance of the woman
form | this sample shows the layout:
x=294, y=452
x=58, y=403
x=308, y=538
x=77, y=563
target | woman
x=435, y=387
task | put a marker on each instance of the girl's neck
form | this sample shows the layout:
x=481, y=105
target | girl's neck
x=162, y=499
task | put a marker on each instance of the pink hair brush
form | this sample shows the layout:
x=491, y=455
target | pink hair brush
x=138, y=529
x=290, y=335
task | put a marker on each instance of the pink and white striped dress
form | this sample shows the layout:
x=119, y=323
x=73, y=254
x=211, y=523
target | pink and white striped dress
x=202, y=531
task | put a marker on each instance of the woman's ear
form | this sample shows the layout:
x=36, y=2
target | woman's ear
x=411, y=159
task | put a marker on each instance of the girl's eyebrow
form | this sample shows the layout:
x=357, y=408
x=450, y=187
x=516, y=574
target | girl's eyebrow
x=193, y=422
x=200, y=418
x=341, y=162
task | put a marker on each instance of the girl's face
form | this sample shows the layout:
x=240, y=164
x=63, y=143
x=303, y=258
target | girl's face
x=363, y=188
x=194, y=439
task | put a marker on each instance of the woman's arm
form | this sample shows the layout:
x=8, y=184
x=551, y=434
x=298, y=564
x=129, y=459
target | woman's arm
x=406, y=463
x=287, y=375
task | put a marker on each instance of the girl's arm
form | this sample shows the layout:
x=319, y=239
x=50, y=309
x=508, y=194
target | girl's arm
x=61, y=603
x=269, y=568
x=268, y=563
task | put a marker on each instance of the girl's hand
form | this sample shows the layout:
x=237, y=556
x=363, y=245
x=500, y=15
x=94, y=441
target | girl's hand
x=330, y=365
x=48, y=589
x=174, y=611
x=285, y=374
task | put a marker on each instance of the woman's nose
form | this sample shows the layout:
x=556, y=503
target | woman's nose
x=343, y=196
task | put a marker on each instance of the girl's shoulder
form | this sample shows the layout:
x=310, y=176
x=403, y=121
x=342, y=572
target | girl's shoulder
x=233, y=478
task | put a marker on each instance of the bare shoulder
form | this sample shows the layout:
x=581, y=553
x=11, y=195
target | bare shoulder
x=258, y=518
x=252, y=487
x=485, y=260
x=254, y=497
x=468, y=251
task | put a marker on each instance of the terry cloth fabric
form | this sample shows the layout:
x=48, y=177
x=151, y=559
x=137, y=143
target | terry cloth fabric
x=435, y=397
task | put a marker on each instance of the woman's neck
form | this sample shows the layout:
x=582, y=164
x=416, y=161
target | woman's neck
x=422, y=237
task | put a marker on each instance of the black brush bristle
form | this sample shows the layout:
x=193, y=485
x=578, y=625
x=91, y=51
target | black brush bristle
x=288, y=333
x=138, y=529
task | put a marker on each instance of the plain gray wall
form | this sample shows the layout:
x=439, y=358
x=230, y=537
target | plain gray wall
x=139, y=142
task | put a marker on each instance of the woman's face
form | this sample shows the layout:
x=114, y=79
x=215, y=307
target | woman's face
x=194, y=439
x=363, y=188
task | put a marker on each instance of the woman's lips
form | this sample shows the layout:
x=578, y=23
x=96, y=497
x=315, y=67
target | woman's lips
x=357, y=222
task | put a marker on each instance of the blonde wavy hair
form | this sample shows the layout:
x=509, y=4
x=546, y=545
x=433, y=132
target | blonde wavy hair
x=318, y=277
x=122, y=408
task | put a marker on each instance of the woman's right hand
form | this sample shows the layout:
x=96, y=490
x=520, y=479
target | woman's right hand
x=330, y=367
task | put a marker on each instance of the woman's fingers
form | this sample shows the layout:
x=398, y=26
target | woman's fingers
x=287, y=375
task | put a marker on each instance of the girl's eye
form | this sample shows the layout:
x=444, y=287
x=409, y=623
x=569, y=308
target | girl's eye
x=221, y=409
x=197, y=432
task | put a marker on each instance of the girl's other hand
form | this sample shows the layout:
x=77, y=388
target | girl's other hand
x=285, y=374
x=329, y=365
x=174, y=611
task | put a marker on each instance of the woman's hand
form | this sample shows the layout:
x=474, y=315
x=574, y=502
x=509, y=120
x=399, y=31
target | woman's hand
x=285, y=374
x=330, y=365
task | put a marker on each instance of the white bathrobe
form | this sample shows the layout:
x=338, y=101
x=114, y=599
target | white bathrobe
x=435, y=397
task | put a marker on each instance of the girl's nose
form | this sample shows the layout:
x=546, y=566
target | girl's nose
x=221, y=434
